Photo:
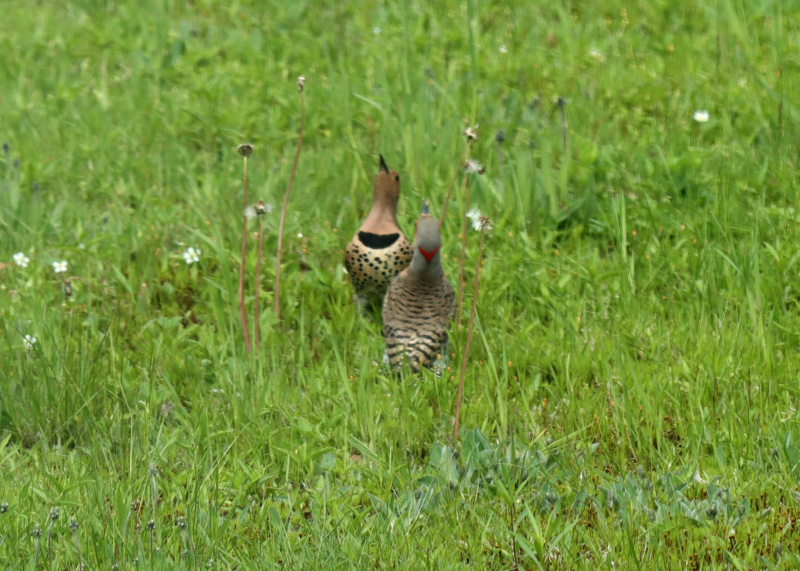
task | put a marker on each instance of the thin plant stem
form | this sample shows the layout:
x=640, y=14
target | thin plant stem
x=49, y=538
x=461, y=162
x=78, y=547
x=465, y=190
x=285, y=203
x=256, y=327
x=36, y=532
x=469, y=333
x=242, y=315
x=561, y=104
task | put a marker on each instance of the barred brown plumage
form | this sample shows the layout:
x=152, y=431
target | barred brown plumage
x=419, y=304
x=379, y=250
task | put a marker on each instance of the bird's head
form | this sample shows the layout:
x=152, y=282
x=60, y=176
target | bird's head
x=428, y=239
x=387, y=183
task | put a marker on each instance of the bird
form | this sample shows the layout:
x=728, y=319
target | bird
x=419, y=304
x=379, y=250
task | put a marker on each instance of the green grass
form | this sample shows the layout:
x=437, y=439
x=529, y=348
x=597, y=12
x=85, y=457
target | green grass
x=632, y=390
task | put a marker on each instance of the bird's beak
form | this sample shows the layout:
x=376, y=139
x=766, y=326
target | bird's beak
x=384, y=168
x=424, y=207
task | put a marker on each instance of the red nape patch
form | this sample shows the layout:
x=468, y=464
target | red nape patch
x=428, y=255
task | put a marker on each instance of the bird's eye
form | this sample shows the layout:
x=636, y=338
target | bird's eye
x=397, y=177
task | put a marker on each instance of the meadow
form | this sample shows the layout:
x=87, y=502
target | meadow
x=631, y=391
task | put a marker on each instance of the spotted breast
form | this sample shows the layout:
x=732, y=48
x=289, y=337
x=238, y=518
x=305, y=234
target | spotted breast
x=372, y=260
x=379, y=250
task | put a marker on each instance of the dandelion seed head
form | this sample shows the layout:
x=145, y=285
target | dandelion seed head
x=475, y=216
x=596, y=54
x=474, y=167
x=301, y=83
x=471, y=133
x=245, y=149
x=261, y=208
x=21, y=260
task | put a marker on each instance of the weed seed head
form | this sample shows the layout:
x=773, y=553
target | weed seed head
x=301, y=83
x=151, y=525
x=260, y=208
x=73, y=524
x=245, y=149
x=474, y=167
x=500, y=137
x=55, y=513
x=36, y=531
x=181, y=522
x=471, y=133
x=3, y=507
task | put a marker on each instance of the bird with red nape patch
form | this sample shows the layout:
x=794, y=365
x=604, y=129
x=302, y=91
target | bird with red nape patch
x=419, y=305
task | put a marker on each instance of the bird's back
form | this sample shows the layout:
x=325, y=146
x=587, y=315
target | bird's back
x=416, y=316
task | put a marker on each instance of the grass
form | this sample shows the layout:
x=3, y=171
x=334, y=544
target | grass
x=631, y=394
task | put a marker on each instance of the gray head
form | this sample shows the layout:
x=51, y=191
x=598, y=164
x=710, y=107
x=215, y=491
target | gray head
x=427, y=243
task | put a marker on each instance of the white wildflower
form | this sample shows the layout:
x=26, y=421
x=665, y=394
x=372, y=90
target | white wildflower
x=29, y=341
x=299, y=234
x=503, y=49
x=21, y=260
x=701, y=116
x=376, y=30
x=471, y=133
x=60, y=267
x=596, y=54
x=191, y=255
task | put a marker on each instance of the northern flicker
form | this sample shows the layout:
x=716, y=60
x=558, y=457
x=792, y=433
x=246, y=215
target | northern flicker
x=419, y=304
x=379, y=250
